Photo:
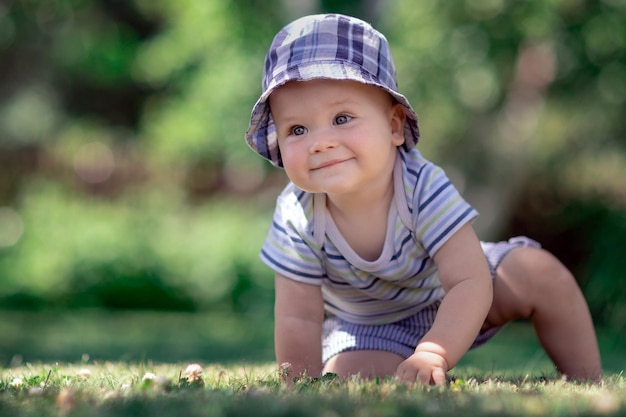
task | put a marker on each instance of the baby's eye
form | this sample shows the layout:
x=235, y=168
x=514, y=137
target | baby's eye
x=342, y=119
x=298, y=130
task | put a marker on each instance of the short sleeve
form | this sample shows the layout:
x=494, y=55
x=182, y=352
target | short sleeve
x=439, y=210
x=290, y=248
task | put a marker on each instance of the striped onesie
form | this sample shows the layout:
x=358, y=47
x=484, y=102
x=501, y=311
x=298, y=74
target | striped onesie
x=365, y=301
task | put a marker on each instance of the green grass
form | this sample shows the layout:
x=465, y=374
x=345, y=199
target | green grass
x=123, y=389
x=133, y=336
x=509, y=376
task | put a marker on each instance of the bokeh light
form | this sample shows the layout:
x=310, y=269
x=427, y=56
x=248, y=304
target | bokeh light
x=94, y=162
x=11, y=227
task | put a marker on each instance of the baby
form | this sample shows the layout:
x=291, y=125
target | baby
x=378, y=269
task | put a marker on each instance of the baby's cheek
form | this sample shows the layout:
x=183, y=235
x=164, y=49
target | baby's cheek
x=293, y=161
x=294, y=170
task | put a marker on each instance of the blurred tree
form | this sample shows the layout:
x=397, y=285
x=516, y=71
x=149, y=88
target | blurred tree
x=202, y=60
x=65, y=64
x=75, y=58
x=510, y=90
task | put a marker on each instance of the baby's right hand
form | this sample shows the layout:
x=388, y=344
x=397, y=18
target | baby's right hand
x=423, y=367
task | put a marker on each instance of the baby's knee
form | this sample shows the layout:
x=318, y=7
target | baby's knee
x=550, y=268
x=528, y=280
x=549, y=278
x=536, y=273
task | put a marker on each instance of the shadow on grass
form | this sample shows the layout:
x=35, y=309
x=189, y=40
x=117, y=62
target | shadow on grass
x=227, y=338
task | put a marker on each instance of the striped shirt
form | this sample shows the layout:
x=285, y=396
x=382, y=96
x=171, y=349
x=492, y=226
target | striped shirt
x=305, y=245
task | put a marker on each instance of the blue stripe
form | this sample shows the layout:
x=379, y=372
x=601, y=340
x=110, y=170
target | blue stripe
x=331, y=305
x=326, y=277
x=434, y=195
x=343, y=31
x=357, y=46
x=449, y=228
x=400, y=291
x=284, y=232
x=416, y=174
x=422, y=266
x=374, y=281
x=282, y=267
x=406, y=240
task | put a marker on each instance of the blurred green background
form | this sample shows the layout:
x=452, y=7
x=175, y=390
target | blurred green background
x=132, y=211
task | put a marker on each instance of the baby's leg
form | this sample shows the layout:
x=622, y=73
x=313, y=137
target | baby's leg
x=366, y=363
x=532, y=284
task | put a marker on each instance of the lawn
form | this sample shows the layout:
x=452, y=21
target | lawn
x=148, y=389
x=103, y=364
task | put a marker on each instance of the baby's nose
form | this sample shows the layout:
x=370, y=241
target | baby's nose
x=323, y=140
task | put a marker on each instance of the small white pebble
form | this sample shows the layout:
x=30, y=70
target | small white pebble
x=193, y=369
x=192, y=372
x=284, y=370
x=149, y=376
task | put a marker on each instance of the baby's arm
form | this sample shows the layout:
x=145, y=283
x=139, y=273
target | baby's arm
x=465, y=276
x=298, y=317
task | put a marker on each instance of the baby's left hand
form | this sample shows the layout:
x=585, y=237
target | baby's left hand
x=423, y=367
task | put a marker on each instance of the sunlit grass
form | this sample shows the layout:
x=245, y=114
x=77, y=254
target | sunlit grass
x=131, y=389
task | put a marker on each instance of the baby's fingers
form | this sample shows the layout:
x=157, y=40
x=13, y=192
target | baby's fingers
x=406, y=375
x=423, y=377
x=439, y=377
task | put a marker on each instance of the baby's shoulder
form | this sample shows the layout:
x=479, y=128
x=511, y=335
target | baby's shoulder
x=414, y=160
x=295, y=206
x=292, y=195
x=417, y=171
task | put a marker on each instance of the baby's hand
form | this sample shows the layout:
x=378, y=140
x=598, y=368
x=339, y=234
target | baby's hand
x=423, y=367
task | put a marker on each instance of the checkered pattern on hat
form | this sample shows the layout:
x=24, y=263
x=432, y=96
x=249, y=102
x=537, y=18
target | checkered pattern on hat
x=328, y=46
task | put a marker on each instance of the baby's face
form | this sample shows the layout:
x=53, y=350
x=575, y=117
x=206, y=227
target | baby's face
x=336, y=137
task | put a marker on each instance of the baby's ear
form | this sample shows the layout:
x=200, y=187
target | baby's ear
x=397, y=117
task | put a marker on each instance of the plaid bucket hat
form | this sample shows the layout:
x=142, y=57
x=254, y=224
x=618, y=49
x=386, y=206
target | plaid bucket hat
x=328, y=46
